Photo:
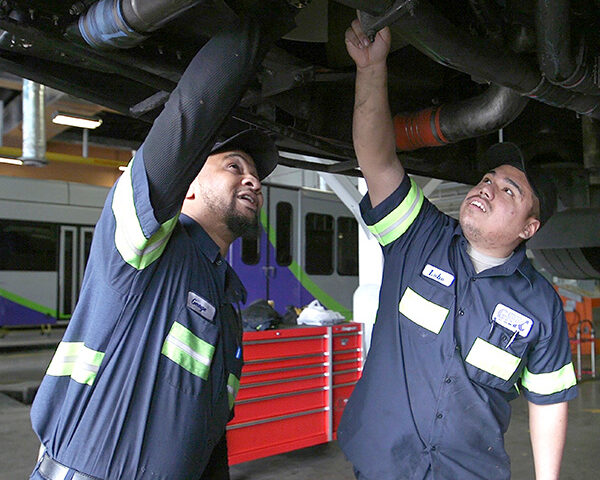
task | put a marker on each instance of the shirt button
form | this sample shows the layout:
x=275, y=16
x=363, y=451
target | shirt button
x=439, y=415
x=461, y=312
x=433, y=448
x=219, y=261
x=448, y=380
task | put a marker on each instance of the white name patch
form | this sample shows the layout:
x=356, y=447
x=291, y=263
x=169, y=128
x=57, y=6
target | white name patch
x=201, y=306
x=513, y=320
x=438, y=275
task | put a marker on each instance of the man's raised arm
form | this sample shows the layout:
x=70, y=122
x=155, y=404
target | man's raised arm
x=372, y=128
x=184, y=133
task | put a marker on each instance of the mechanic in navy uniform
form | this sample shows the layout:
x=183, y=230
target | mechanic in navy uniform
x=145, y=378
x=464, y=322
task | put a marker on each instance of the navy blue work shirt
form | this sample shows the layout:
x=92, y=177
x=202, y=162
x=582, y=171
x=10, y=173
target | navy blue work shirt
x=450, y=349
x=143, y=382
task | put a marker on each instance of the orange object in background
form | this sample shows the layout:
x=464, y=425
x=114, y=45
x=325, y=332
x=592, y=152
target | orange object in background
x=580, y=311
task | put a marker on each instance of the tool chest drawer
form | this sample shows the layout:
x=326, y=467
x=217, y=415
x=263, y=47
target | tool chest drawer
x=289, y=396
x=278, y=344
x=346, y=337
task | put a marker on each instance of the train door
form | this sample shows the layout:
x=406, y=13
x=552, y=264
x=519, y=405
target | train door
x=85, y=244
x=283, y=283
x=266, y=263
x=329, y=251
x=74, y=250
x=308, y=249
x=248, y=257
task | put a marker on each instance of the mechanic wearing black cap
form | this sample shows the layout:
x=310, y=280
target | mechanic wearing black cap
x=465, y=324
x=145, y=378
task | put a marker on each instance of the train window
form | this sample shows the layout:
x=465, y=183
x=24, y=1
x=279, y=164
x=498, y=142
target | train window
x=283, y=238
x=250, y=249
x=28, y=246
x=347, y=246
x=318, y=256
x=68, y=269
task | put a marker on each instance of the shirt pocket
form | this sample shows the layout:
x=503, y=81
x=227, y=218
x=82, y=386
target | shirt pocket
x=496, y=357
x=424, y=309
x=189, y=351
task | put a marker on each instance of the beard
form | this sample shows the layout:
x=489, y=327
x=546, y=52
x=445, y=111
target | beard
x=240, y=225
x=470, y=226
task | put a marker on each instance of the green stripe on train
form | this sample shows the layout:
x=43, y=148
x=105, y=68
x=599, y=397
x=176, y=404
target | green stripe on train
x=27, y=303
x=302, y=277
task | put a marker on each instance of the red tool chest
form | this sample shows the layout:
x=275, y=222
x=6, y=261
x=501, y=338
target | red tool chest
x=295, y=384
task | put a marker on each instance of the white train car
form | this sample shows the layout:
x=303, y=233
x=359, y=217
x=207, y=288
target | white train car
x=46, y=230
x=307, y=248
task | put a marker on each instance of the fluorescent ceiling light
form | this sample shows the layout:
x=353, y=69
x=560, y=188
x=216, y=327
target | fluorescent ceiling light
x=11, y=161
x=73, y=120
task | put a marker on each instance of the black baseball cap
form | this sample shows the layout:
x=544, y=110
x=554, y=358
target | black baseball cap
x=256, y=143
x=507, y=153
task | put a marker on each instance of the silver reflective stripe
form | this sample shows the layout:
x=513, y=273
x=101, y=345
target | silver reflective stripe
x=427, y=314
x=551, y=382
x=75, y=360
x=137, y=250
x=188, y=350
x=492, y=359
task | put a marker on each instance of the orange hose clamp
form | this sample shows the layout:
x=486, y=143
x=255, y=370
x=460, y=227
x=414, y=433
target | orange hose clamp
x=419, y=129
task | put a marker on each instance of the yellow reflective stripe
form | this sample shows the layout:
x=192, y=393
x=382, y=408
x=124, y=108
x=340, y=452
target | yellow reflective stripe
x=87, y=366
x=492, y=359
x=137, y=250
x=398, y=220
x=423, y=312
x=188, y=350
x=75, y=360
x=64, y=359
x=551, y=382
x=233, y=385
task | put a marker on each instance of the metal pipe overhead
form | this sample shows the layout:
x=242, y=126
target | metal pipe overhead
x=34, y=124
x=125, y=23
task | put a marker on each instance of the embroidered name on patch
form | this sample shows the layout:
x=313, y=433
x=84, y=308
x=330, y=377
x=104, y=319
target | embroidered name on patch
x=201, y=306
x=438, y=275
x=513, y=320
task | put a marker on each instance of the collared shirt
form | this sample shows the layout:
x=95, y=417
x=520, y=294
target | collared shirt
x=450, y=349
x=143, y=383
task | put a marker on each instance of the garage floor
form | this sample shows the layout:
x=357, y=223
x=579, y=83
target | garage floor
x=19, y=445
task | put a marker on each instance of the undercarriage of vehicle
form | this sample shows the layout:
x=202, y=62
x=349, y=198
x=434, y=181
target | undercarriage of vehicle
x=463, y=76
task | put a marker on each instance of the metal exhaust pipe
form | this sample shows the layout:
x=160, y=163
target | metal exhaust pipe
x=126, y=23
x=421, y=25
x=449, y=123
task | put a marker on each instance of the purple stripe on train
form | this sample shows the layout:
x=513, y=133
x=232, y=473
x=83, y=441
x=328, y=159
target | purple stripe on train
x=12, y=313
